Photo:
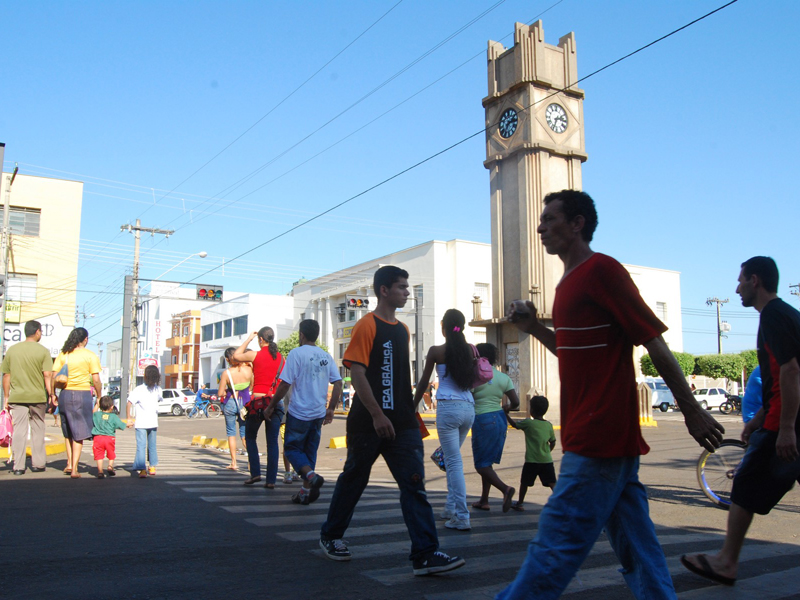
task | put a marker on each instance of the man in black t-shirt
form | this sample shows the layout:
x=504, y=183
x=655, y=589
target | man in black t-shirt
x=771, y=464
x=382, y=422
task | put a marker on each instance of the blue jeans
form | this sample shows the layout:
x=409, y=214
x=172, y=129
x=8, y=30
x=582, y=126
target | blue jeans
x=301, y=441
x=145, y=448
x=273, y=429
x=453, y=421
x=403, y=456
x=592, y=494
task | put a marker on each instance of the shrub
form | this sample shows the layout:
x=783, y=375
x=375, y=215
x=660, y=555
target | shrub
x=685, y=361
x=718, y=366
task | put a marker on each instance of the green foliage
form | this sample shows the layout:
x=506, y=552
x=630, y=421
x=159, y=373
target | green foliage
x=685, y=360
x=718, y=366
x=750, y=358
x=288, y=344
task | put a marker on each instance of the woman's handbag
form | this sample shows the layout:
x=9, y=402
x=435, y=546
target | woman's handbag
x=235, y=396
x=438, y=458
x=483, y=371
x=6, y=428
x=62, y=377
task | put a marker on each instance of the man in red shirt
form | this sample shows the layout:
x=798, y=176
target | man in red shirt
x=598, y=317
x=771, y=464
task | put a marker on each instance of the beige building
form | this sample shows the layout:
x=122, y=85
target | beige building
x=45, y=225
x=184, y=347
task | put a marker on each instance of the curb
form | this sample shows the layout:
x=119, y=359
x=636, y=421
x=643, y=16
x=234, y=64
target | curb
x=50, y=449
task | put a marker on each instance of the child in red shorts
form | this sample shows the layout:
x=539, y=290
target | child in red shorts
x=104, y=444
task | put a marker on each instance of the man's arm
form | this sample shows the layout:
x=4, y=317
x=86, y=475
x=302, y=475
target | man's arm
x=283, y=389
x=6, y=386
x=523, y=315
x=336, y=394
x=48, y=383
x=701, y=425
x=786, y=444
x=422, y=384
x=242, y=354
x=383, y=426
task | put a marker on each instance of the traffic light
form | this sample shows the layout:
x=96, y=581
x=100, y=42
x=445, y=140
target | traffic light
x=209, y=292
x=357, y=302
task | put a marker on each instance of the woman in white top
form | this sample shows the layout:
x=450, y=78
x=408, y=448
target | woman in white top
x=455, y=411
x=143, y=416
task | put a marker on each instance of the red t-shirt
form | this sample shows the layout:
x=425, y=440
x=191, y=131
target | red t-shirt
x=265, y=371
x=599, y=316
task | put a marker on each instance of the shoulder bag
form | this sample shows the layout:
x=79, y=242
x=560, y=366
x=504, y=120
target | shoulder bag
x=483, y=371
x=62, y=377
x=235, y=395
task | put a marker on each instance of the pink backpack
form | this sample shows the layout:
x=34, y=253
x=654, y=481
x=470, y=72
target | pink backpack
x=6, y=428
x=483, y=371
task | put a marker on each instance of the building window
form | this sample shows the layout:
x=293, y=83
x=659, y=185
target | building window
x=482, y=292
x=21, y=288
x=419, y=295
x=185, y=358
x=479, y=335
x=341, y=350
x=240, y=325
x=661, y=311
x=24, y=221
x=174, y=359
x=341, y=314
x=351, y=315
x=175, y=331
x=217, y=330
x=228, y=328
x=208, y=332
x=302, y=316
x=185, y=330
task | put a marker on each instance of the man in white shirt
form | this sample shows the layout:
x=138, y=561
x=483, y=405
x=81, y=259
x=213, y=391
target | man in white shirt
x=308, y=371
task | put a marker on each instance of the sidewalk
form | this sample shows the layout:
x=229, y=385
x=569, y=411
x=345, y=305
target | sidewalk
x=53, y=440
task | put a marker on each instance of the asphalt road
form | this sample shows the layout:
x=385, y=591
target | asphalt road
x=195, y=531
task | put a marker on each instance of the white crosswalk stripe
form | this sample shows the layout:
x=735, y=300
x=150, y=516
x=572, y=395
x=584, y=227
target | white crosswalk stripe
x=494, y=548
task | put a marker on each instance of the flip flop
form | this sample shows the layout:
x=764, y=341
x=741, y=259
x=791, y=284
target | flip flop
x=480, y=506
x=705, y=570
x=111, y=472
x=67, y=471
x=232, y=468
x=517, y=506
x=252, y=480
x=507, y=498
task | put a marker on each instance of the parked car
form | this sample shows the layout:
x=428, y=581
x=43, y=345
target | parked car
x=174, y=401
x=662, y=396
x=710, y=397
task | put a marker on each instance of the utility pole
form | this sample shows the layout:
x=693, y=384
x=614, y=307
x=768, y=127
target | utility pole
x=720, y=328
x=795, y=289
x=4, y=249
x=134, y=330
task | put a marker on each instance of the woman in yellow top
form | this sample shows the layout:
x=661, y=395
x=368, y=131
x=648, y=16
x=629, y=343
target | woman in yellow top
x=75, y=402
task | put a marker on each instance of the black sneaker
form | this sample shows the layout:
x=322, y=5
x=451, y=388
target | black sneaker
x=437, y=562
x=316, y=482
x=300, y=498
x=336, y=549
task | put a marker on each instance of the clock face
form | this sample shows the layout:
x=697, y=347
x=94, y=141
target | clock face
x=508, y=123
x=556, y=118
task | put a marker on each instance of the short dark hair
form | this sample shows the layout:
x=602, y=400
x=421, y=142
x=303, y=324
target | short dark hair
x=765, y=269
x=310, y=329
x=539, y=406
x=151, y=376
x=31, y=327
x=488, y=351
x=387, y=276
x=575, y=204
x=106, y=403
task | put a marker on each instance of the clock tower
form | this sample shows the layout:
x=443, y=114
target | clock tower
x=534, y=145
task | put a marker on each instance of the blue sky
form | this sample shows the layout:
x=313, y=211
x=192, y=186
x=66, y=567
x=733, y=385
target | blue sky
x=690, y=142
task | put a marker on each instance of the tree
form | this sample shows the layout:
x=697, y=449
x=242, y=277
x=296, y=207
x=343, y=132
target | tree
x=750, y=358
x=288, y=344
x=718, y=366
x=685, y=361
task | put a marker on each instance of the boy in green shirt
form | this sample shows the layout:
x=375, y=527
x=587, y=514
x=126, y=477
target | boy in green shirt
x=540, y=439
x=103, y=443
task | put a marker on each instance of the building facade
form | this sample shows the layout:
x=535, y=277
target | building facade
x=182, y=370
x=44, y=225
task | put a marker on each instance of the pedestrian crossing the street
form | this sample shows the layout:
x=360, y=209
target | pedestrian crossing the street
x=494, y=548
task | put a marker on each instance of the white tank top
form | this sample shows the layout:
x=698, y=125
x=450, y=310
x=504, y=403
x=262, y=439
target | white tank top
x=448, y=389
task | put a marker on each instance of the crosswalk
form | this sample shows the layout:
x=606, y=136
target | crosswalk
x=494, y=549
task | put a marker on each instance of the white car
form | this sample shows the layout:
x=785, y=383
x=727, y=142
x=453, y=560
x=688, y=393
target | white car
x=174, y=401
x=711, y=397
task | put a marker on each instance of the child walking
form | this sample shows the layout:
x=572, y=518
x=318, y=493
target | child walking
x=105, y=424
x=143, y=406
x=540, y=439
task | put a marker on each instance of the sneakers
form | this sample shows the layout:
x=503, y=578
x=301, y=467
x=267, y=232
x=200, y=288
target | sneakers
x=460, y=524
x=337, y=550
x=287, y=477
x=446, y=515
x=302, y=497
x=315, y=482
x=437, y=562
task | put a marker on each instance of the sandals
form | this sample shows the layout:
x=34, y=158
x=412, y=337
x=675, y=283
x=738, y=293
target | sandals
x=507, y=498
x=100, y=475
x=232, y=468
x=269, y=486
x=67, y=471
x=111, y=471
x=252, y=480
x=517, y=506
x=481, y=505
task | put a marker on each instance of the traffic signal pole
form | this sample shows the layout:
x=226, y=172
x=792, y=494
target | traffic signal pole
x=4, y=250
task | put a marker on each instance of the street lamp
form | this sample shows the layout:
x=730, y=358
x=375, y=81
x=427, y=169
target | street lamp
x=202, y=254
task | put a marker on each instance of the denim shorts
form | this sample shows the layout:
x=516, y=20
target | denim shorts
x=763, y=479
x=232, y=419
x=488, y=438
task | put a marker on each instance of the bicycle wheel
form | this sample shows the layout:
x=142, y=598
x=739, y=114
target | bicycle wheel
x=716, y=470
x=192, y=412
x=213, y=410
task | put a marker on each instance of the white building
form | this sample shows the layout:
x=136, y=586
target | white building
x=228, y=323
x=442, y=275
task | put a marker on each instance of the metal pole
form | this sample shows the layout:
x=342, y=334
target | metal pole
x=135, y=308
x=719, y=332
x=127, y=301
x=6, y=246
